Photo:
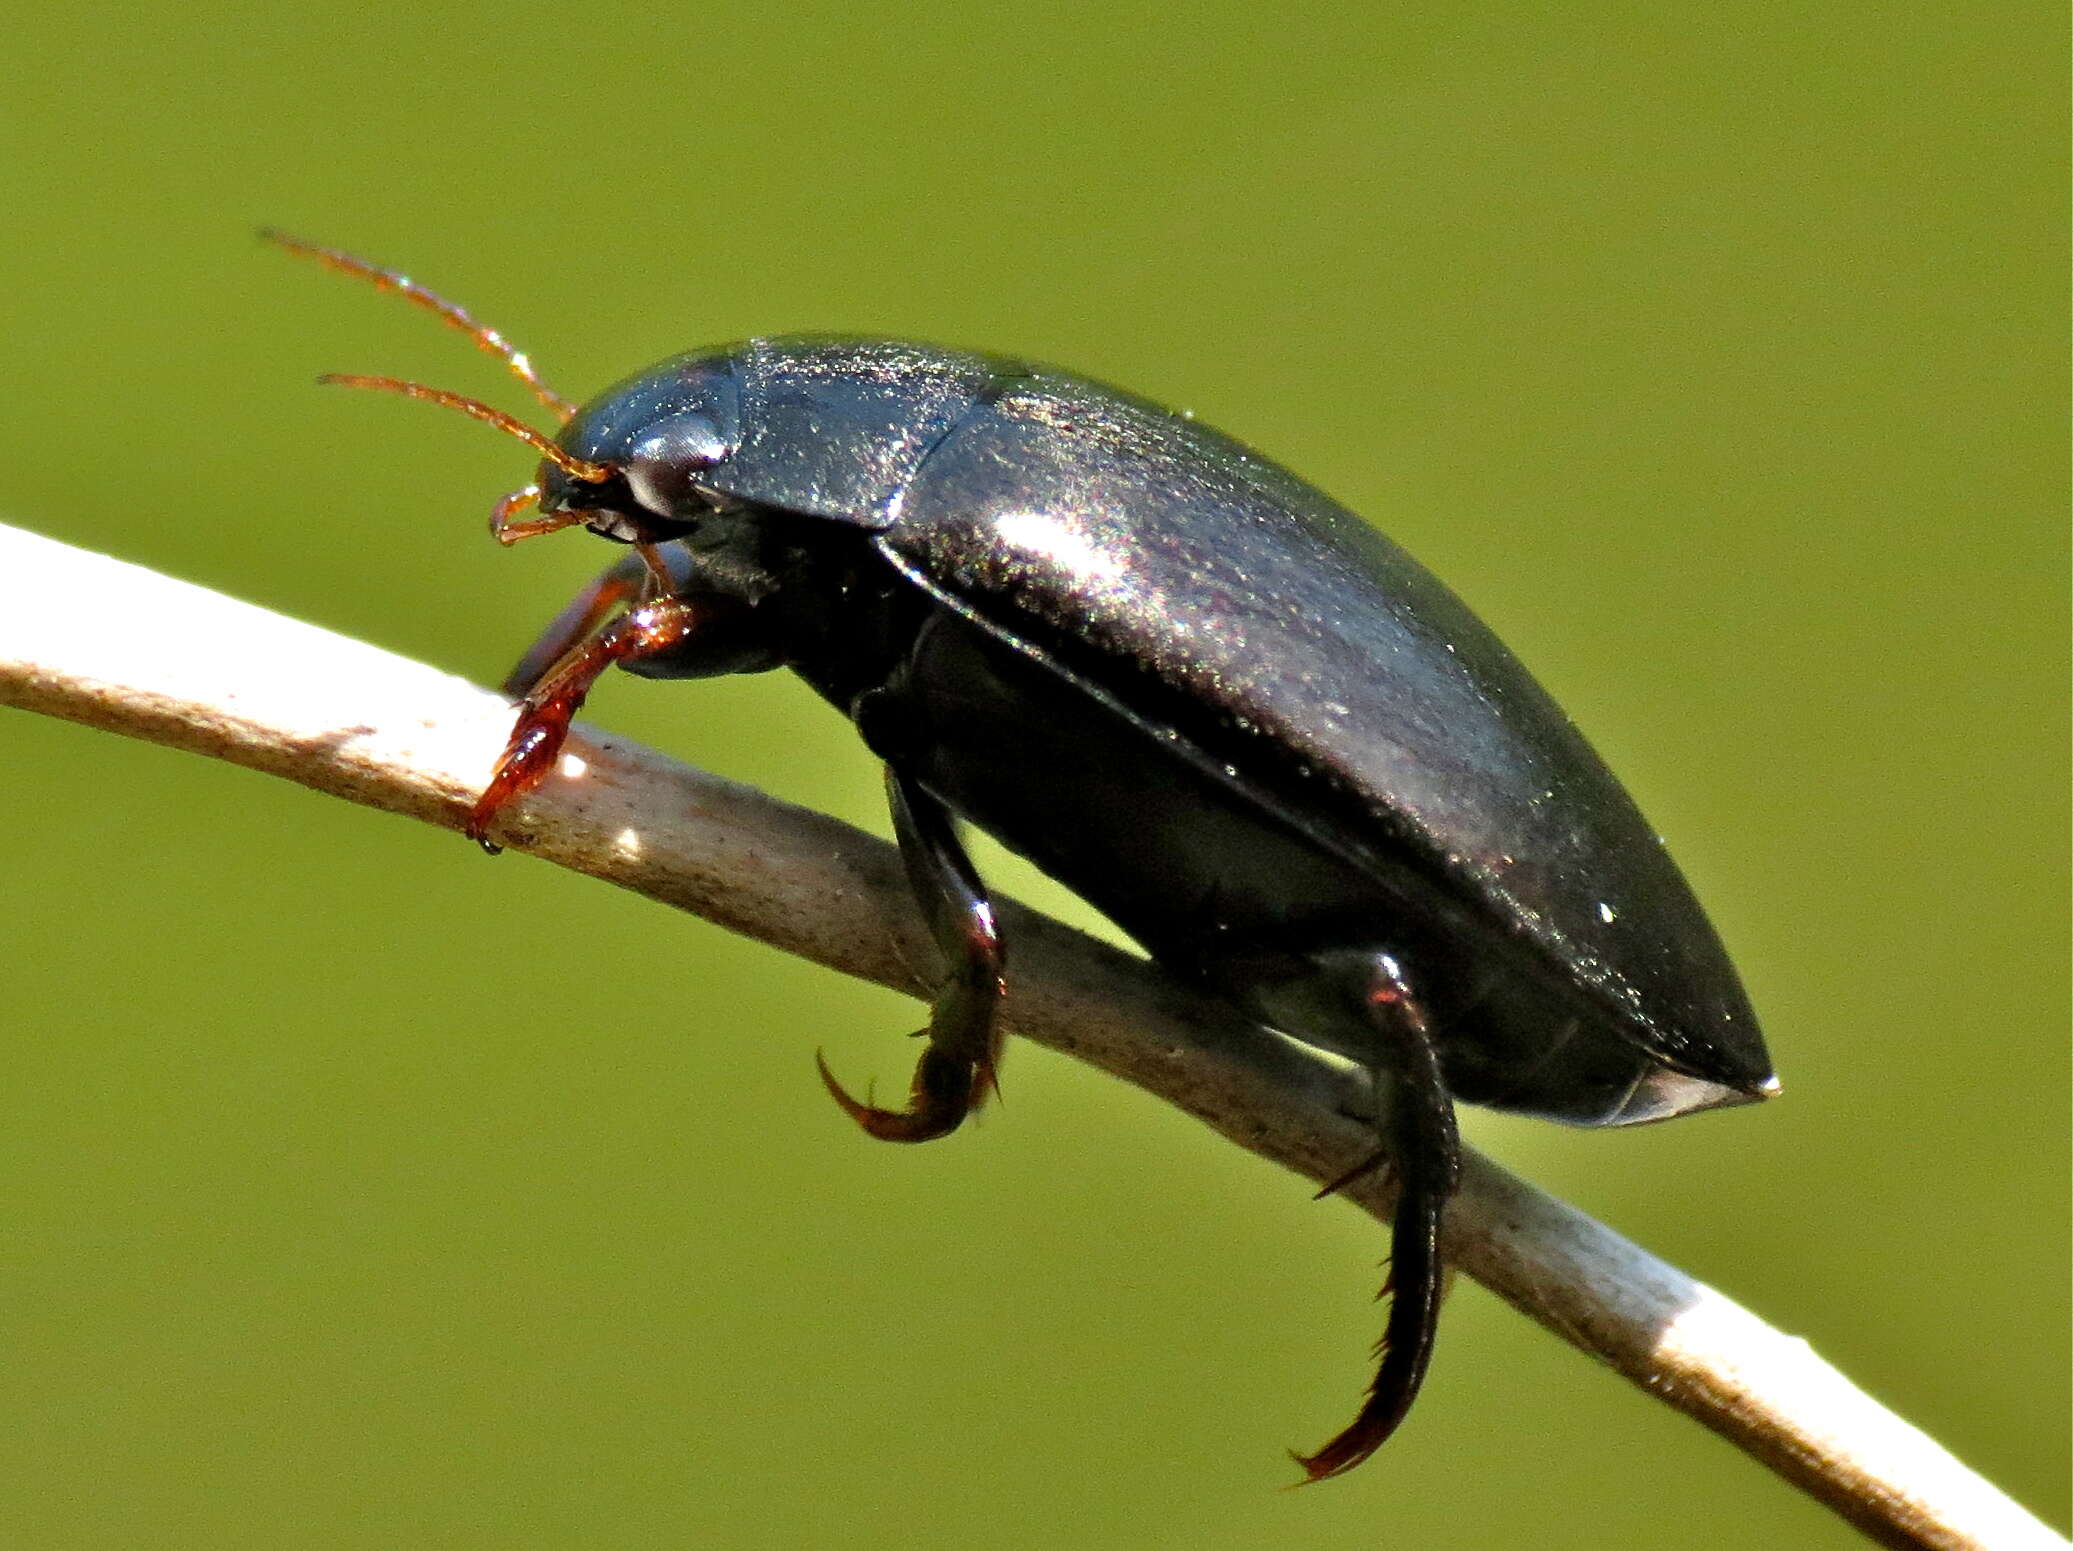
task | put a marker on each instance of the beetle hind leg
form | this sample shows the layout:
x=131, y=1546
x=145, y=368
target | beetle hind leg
x=956, y=1071
x=1418, y=1135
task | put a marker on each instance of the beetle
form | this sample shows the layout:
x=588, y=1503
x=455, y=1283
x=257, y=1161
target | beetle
x=1216, y=705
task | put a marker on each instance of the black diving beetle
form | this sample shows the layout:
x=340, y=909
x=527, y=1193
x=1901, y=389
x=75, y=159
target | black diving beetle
x=1213, y=703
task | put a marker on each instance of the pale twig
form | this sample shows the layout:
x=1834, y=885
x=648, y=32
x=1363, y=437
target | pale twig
x=114, y=646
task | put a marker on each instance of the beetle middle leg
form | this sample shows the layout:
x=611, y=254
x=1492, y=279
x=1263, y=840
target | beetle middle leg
x=1418, y=1136
x=957, y=1069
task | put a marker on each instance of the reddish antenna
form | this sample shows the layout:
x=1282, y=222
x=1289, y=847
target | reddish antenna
x=575, y=467
x=485, y=337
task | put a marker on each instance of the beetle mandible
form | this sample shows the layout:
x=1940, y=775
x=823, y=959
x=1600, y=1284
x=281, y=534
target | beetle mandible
x=1213, y=703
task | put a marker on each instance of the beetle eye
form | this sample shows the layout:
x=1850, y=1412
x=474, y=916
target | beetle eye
x=660, y=465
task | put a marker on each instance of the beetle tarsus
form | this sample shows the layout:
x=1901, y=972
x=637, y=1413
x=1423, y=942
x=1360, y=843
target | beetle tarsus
x=959, y=1070
x=943, y=1095
x=1419, y=1136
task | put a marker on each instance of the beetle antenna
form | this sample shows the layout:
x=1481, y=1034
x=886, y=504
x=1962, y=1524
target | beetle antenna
x=576, y=468
x=453, y=316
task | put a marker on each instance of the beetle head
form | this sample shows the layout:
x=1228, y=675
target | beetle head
x=649, y=492
x=625, y=467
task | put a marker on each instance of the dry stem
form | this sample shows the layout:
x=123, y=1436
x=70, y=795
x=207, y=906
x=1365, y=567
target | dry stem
x=114, y=646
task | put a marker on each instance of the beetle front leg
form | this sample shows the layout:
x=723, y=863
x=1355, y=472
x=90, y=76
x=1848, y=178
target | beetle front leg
x=621, y=585
x=551, y=703
x=1418, y=1136
x=957, y=1069
x=616, y=587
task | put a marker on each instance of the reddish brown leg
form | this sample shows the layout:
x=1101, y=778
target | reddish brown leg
x=643, y=572
x=551, y=704
x=617, y=587
x=957, y=1069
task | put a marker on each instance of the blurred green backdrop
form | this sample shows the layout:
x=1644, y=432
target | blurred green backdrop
x=359, y=1192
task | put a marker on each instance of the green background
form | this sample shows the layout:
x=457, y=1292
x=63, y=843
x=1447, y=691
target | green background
x=356, y=1191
